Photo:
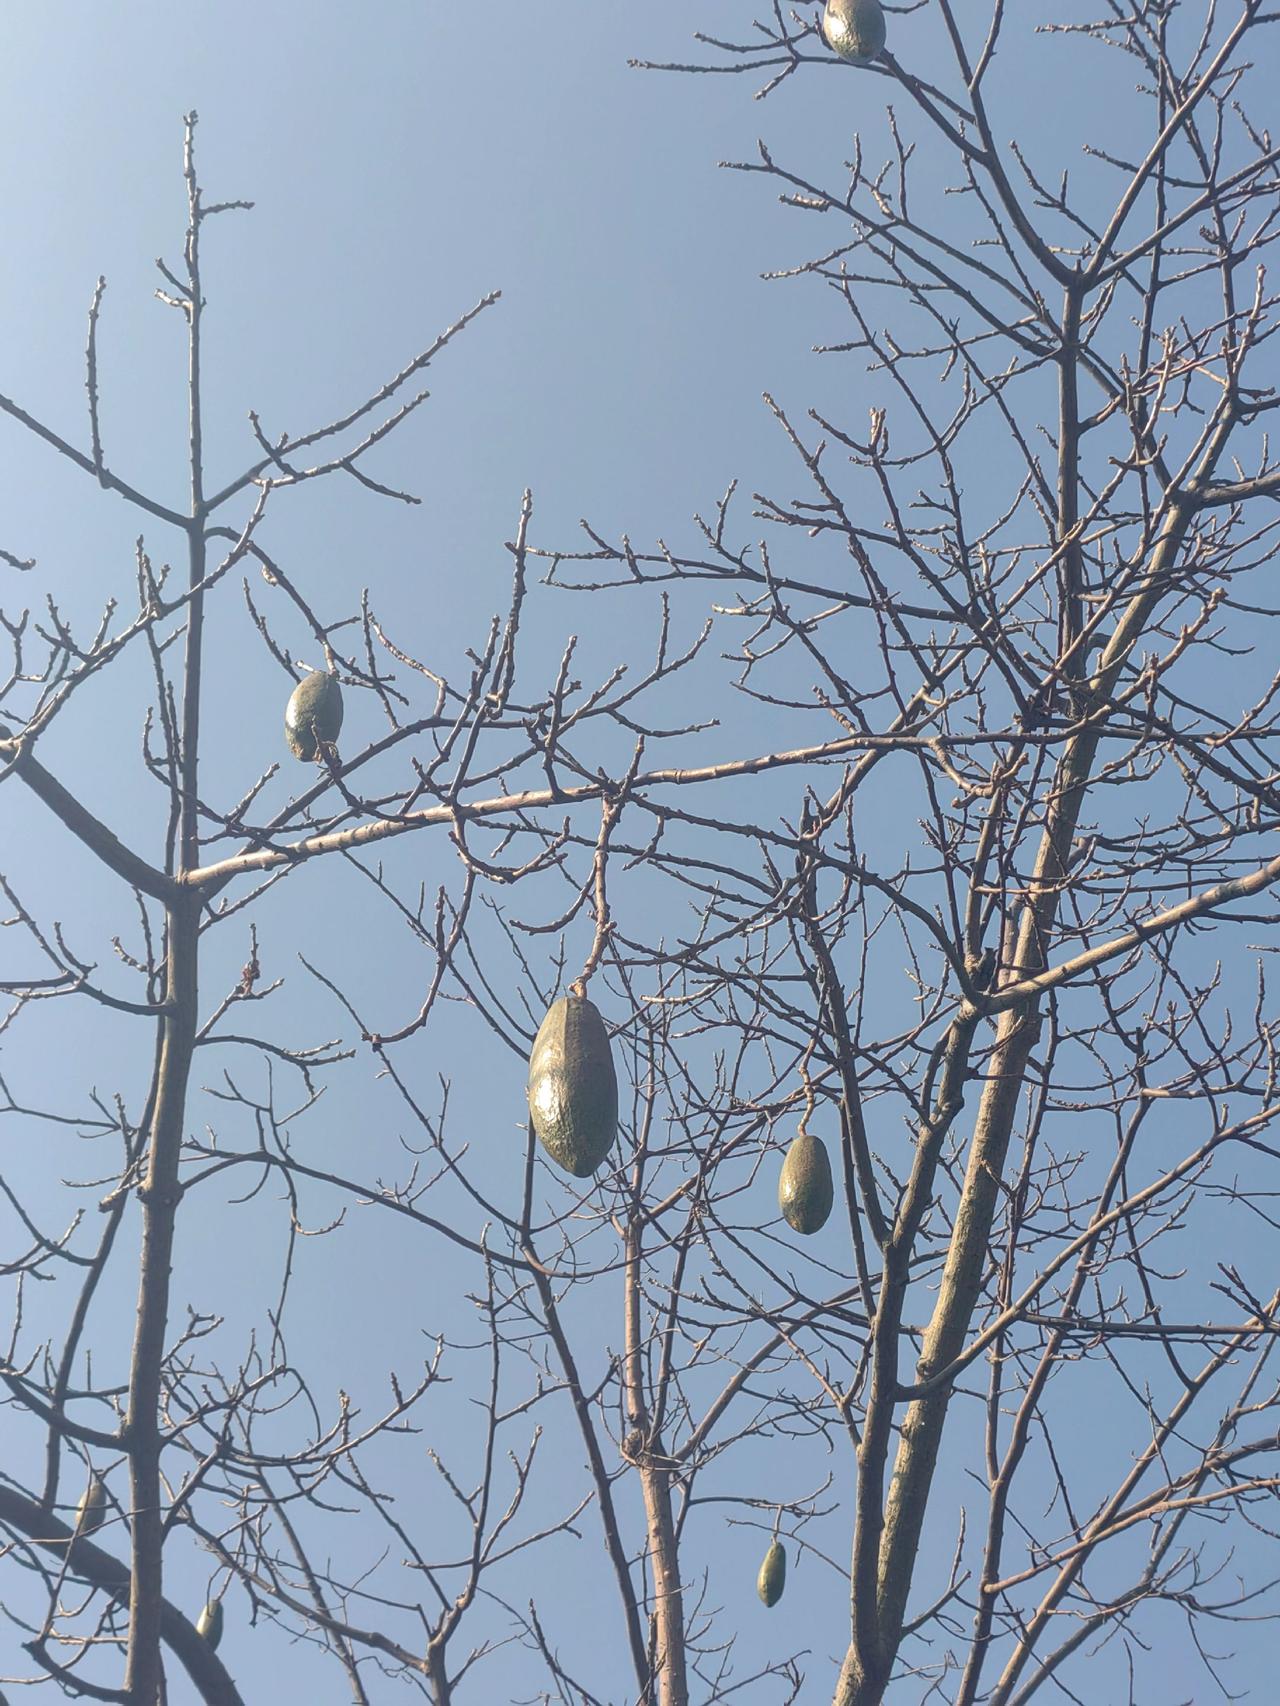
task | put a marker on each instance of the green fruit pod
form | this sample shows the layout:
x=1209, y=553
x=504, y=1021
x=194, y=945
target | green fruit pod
x=773, y=1574
x=91, y=1512
x=209, y=1623
x=805, y=1191
x=313, y=716
x=854, y=29
x=573, y=1089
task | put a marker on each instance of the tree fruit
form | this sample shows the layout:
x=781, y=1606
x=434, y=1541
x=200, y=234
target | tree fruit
x=573, y=1089
x=91, y=1512
x=209, y=1623
x=313, y=716
x=854, y=29
x=773, y=1574
x=805, y=1192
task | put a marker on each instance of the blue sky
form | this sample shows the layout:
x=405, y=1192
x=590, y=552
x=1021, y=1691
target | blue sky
x=404, y=159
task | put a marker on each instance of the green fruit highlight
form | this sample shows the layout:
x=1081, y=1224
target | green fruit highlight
x=805, y=1191
x=91, y=1512
x=854, y=29
x=209, y=1623
x=773, y=1574
x=313, y=716
x=573, y=1089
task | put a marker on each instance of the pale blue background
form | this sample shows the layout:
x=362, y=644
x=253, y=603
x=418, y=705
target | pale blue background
x=404, y=159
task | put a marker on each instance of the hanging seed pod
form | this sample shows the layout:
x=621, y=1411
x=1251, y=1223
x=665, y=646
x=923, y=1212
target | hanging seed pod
x=805, y=1191
x=91, y=1512
x=854, y=29
x=313, y=716
x=773, y=1574
x=573, y=1089
x=209, y=1623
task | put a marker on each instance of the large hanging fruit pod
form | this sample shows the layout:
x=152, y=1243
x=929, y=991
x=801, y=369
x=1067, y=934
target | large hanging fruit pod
x=773, y=1574
x=854, y=29
x=313, y=716
x=573, y=1089
x=805, y=1190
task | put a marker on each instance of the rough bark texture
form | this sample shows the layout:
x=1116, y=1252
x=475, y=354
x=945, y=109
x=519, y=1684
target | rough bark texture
x=668, y=1594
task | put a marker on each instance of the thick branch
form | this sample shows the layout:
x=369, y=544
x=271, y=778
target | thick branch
x=81, y=822
x=207, y=1672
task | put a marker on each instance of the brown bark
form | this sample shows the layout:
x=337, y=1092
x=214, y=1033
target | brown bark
x=868, y=1664
x=668, y=1594
x=160, y=1195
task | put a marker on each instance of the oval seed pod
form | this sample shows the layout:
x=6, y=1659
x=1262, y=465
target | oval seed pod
x=805, y=1191
x=209, y=1623
x=854, y=29
x=573, y=1089
x=773, y=1574
x=91, y=1512
x=313, y=716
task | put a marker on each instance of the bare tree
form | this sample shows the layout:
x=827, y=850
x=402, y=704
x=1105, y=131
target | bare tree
x=967, y=866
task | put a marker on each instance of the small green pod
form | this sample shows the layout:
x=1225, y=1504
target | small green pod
x=91, y=1512
x=573, y=1089
x=313, y=716
x=854, y=29
x=209, y=1623
x=805, y=1190
x=773, y=1574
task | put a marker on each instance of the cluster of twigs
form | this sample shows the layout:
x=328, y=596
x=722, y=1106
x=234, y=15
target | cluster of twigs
x=961, y=859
